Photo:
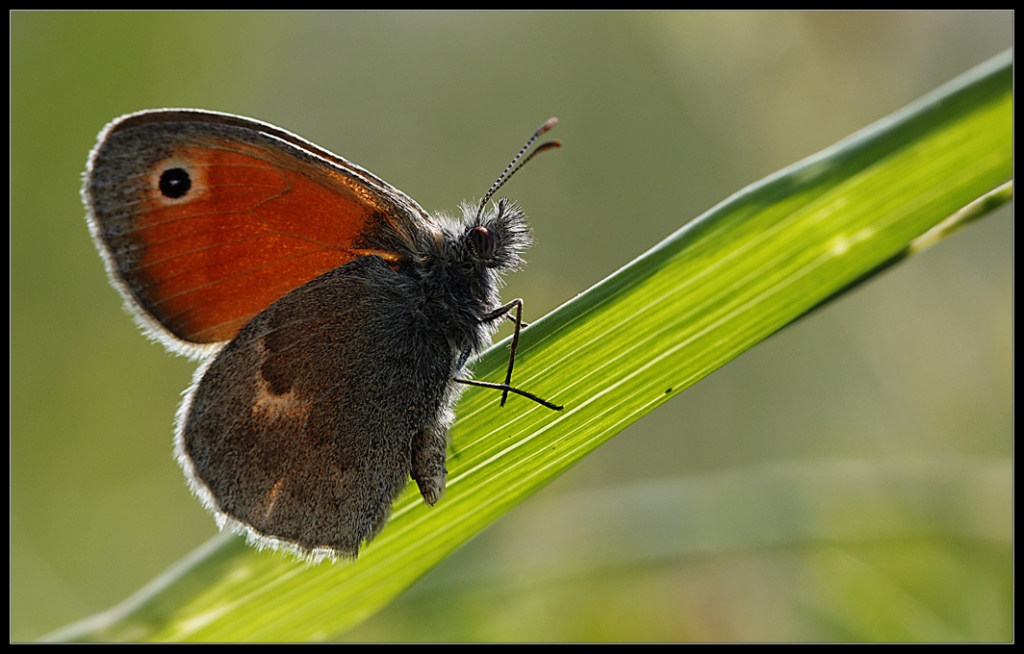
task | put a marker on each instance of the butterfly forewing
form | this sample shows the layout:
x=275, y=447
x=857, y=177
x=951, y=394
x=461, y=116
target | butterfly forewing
x=207, y=224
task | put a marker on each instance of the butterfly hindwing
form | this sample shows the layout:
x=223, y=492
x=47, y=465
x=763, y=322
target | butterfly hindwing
x=303, y=427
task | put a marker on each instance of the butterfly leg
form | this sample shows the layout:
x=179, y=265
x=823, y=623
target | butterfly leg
x=511, y=389
x=428, y=456
x=464, y=358
x=518, y=320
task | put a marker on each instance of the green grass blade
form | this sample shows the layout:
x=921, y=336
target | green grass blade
x=715, y=288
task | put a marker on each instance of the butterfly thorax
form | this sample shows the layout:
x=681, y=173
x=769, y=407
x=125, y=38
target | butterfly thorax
x=460, y=269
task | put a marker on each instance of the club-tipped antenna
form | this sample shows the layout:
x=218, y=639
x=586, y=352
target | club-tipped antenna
x=512, y=168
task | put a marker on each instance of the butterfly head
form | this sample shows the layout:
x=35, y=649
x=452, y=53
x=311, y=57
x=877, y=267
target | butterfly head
x=495, y=237
x=480, y=246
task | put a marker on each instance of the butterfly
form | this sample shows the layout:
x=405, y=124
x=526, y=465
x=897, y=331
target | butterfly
x=334, y=317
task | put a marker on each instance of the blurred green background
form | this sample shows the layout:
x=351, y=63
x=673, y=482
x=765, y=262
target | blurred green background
x=848, y=479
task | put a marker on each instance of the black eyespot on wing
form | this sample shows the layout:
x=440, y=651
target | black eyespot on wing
x=175, y=183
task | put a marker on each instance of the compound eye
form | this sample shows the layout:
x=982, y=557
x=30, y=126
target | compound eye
x=483, y=242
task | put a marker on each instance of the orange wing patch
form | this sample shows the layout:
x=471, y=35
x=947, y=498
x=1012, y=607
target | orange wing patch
x=245, y=233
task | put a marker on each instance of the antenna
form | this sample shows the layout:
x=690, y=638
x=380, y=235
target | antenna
x=512, y=168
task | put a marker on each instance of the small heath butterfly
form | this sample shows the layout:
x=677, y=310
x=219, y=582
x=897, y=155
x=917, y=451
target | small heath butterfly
x=334, y=316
